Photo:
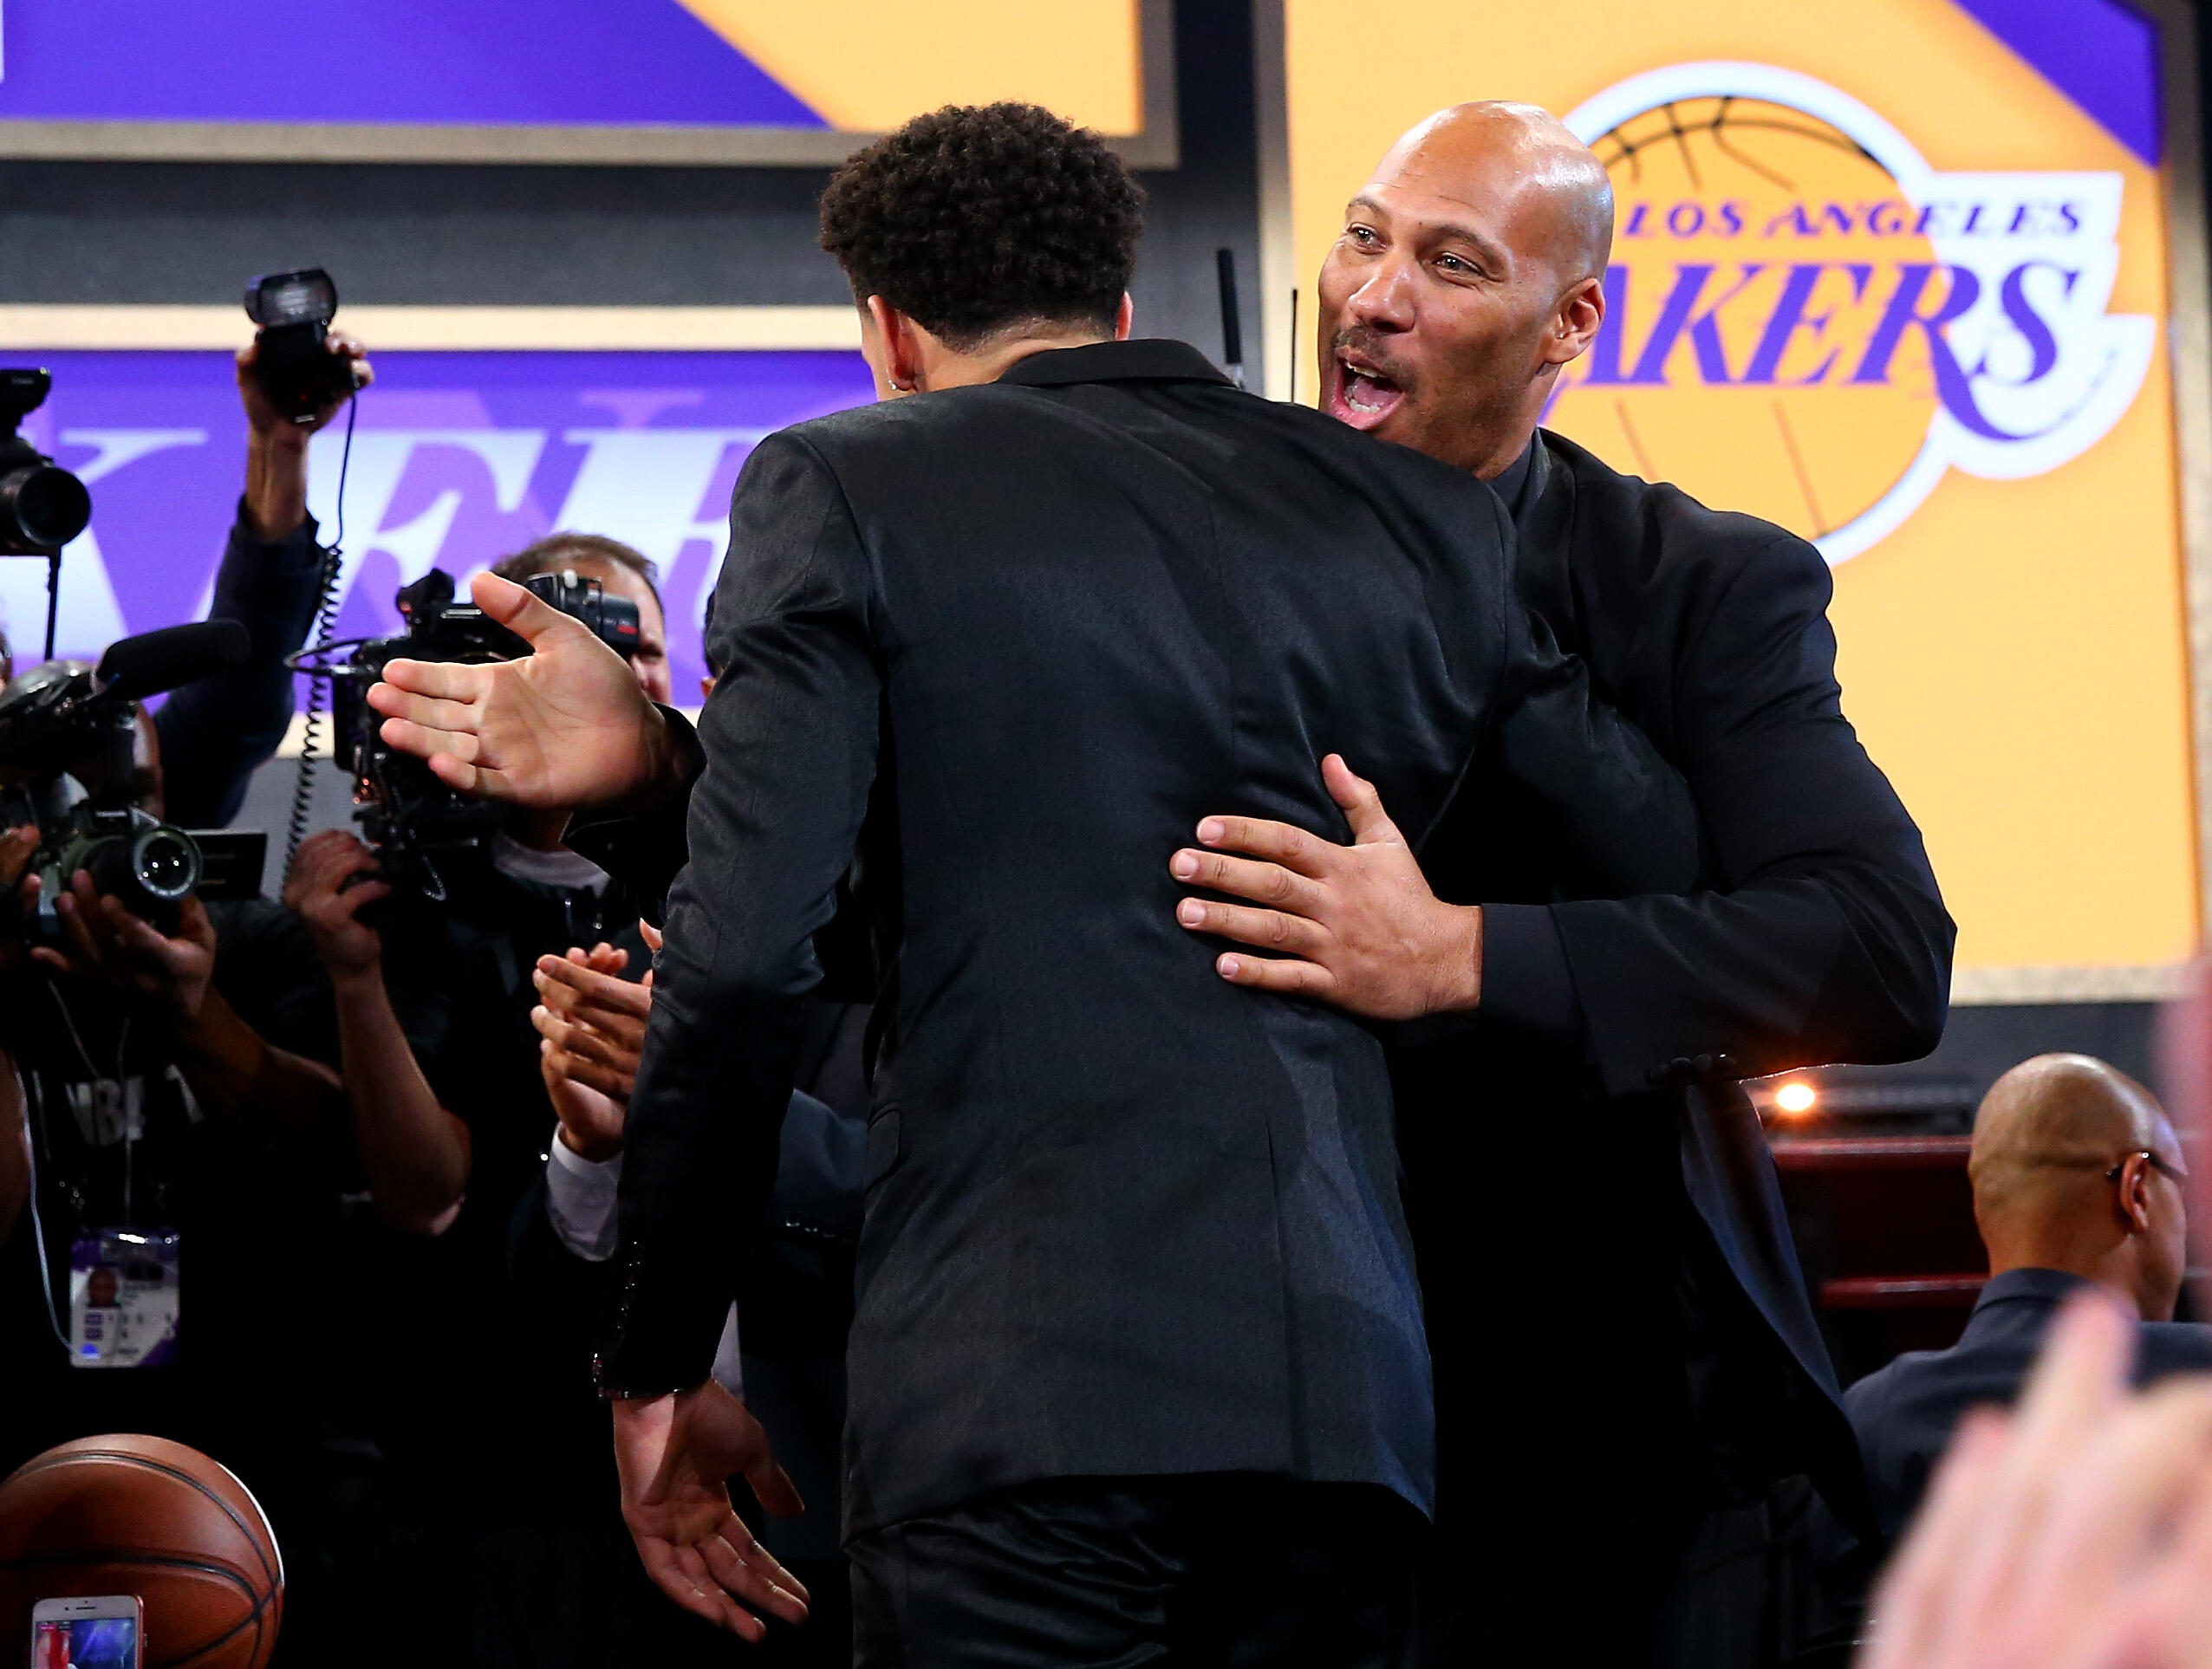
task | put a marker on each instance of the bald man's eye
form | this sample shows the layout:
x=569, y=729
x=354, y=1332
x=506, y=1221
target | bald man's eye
x=1458, y=268
x=1365, y=237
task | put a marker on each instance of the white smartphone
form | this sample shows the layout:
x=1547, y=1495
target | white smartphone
x=99, y=1633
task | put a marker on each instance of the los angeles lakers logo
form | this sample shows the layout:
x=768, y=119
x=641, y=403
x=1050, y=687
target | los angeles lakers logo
x=1809, y=323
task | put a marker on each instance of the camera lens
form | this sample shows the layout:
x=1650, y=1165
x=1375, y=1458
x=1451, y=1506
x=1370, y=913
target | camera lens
x=42, y=507
x=166, y=863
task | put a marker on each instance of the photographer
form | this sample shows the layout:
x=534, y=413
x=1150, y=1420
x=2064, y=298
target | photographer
x=216, y=732
x=140, y=1094
x=454, y=1125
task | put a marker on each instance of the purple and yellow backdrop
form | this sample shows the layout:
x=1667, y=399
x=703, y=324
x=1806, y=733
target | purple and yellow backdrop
x=704, y=80
x=458, y=459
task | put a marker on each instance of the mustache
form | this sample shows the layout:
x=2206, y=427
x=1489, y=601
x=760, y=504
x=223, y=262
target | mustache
x=1363, y=343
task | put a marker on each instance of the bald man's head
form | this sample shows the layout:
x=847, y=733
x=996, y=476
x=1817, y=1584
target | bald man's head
x=1469, y=272
x=2046, y=1139
x=1554, y=191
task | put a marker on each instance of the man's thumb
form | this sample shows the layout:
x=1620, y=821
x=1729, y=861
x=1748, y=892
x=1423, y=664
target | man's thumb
x=1361, y=804
x=518, y=609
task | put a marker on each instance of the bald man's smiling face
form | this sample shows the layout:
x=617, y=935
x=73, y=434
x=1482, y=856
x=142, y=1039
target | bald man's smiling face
x=1450, y=299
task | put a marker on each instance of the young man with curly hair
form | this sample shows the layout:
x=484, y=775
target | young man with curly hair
x=1137, y=1371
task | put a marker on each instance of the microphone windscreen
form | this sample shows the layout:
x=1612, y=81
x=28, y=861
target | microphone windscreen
x=154, y=661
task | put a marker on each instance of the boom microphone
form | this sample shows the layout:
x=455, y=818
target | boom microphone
x=134, y=668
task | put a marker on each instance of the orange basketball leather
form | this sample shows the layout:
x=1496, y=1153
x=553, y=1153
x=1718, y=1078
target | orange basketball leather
x=143, y=1516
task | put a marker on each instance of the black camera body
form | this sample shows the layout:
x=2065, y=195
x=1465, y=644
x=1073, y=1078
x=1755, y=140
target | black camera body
x=42, y=506
x=404, y=811
x=295, y=368
x=66, y=716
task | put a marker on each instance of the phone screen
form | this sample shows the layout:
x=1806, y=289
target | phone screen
x=85, y=1643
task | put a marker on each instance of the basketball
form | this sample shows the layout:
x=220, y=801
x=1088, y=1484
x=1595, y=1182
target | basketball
x=143, y=1516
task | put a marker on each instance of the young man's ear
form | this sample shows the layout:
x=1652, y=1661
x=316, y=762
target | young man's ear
x=901, y=355
x=1124, y=317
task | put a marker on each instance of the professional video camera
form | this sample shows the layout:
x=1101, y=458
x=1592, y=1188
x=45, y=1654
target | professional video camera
x=65, y=718
x=42, y=506
x=405, y=812
x=298, y=373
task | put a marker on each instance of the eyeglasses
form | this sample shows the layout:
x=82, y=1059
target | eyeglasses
x=2156, y=1164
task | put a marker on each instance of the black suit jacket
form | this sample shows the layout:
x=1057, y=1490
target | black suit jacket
x=1125, y=1218
x=1904, y=1413
x=1669, y=1281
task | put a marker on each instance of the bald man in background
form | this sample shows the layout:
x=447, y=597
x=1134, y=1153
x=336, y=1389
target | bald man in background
x=1629, y=1377
x=2077, y=1178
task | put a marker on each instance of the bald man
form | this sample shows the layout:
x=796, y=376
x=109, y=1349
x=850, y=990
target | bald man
x=1577, y=1091
x=2078, y=1178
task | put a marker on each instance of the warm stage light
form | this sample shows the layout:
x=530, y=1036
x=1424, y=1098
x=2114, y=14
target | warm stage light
x=1795, y=1098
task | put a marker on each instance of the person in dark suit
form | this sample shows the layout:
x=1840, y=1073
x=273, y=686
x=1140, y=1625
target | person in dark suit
x=2077, y=1178
x=1668, y=1366
x=1137, y=1367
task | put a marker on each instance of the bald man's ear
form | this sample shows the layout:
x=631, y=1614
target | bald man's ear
x=2134, y=1192
x=1575, y=325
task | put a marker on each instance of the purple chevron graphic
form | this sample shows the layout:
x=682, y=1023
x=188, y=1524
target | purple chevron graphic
x=473, y=62
x=459, y=459
x=2101, y=54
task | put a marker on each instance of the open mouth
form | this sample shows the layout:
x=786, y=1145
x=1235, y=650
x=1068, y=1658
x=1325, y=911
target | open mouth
x=1360, y=393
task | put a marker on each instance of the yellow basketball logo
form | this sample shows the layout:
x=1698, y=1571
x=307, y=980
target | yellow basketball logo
x=1808, y=323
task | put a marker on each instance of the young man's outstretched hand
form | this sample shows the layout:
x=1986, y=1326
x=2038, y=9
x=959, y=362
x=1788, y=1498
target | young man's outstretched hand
x=676, y=1455
x=565, y=727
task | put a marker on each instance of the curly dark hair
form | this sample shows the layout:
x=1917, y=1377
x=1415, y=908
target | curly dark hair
x=976, y=217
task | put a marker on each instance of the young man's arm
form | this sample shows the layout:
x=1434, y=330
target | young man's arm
x=790, y=741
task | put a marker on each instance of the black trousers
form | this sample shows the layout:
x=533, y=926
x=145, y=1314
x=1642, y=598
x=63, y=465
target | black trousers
x=1216, y=1571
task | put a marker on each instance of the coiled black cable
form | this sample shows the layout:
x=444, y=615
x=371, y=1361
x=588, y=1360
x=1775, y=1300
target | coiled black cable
x=326, y=623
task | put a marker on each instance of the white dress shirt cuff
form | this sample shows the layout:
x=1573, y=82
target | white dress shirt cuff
x=580, y=1200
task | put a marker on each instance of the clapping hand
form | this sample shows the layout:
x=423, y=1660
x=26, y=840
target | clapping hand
x=592, y=1023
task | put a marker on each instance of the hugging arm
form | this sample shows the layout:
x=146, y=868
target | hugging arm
x=1821, y=935
x=1817, y=934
